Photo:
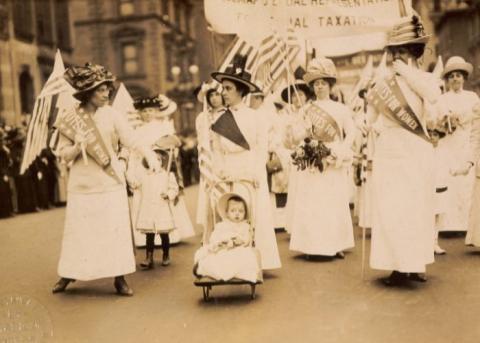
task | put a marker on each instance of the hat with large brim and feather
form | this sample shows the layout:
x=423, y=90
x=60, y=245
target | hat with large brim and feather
x=87, y=78
x=162, y=103
x=320, y=68
x=236, y=72
x=408, y=30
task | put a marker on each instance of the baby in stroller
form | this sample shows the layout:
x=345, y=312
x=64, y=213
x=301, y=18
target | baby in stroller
x=229, y=252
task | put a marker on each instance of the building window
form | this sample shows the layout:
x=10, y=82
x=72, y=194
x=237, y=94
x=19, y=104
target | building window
x=23, y=19
x=165, y=5
x=62, y=21
x=26, y=90
x=130, y=65
x=43, y=16
x=126, y=7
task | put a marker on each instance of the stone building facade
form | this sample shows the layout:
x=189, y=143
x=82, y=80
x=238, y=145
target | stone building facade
x=457, y=27
x=30, y=33
x=152, y=46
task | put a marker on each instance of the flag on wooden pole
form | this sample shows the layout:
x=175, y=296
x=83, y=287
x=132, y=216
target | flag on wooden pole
x=44, y=112
x=123, y=103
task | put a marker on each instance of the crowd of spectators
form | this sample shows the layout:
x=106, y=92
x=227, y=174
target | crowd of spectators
x=41, y=186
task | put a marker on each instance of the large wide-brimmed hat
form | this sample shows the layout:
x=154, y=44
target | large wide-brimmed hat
x=223, y=203
x=298, y=85
x=162, y=103
x=236, y=72
x=408, y=30
x=320, y=68
x=457, y=63
x=86, y=78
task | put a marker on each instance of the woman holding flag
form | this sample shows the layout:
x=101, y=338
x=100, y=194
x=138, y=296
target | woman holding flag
x=240, y=152
x=403, y=102
x=321, y=222
x=97, y=241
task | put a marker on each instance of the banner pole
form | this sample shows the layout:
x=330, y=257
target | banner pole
x=363, y=252
x=212, y=48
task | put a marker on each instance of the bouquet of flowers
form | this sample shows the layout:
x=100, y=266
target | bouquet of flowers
x=310, y=154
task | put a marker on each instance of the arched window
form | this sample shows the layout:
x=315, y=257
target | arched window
x=26, y=90
x=128, y=42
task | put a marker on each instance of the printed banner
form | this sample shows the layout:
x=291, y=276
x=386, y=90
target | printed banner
x=324, y=127
x=310, y=18
x=70, y=122
x=387, y=98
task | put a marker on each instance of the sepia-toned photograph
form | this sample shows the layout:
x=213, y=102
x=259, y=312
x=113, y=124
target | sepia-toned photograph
x=220, y=171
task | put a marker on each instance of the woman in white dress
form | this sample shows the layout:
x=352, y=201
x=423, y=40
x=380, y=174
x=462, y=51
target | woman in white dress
x=297, y=97
x=240, y=152
x=213, y=103
x=321, y=222
x=403, y=104
x=97, y=240
x=458, y=104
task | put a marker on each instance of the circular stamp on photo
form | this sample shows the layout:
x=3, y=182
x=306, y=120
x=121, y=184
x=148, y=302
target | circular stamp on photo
x=24, y=319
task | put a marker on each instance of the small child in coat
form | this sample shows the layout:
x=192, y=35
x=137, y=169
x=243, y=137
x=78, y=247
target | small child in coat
x=228, y=253
x=158, y=190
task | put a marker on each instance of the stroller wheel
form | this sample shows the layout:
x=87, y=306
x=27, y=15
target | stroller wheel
x=253, y=292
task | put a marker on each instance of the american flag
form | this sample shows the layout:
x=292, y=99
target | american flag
x=44, y=113
x=274, y=60
x=269, y=64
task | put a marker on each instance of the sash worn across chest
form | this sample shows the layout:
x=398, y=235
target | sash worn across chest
x=324, y=127
x=70, y=122
x=386, y=97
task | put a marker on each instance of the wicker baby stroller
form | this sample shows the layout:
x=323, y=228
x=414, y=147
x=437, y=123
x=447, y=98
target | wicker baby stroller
x=246, y=188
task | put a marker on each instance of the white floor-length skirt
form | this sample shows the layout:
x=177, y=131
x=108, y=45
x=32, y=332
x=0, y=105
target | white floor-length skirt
x=460, y=187
x=321, y=223
x=473, y=235
x=403, y=195
x=292, y=196
x=97, y=239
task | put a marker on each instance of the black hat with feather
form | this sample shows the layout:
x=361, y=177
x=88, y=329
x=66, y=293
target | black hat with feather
x=236, y=72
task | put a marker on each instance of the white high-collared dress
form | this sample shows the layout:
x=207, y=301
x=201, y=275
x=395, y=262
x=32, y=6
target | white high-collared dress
x=403, y=178
x=235, y=162
x=320, y=219
x=460, y=187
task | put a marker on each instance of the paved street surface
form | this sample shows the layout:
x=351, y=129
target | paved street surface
x=305, y=301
